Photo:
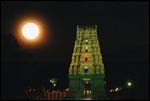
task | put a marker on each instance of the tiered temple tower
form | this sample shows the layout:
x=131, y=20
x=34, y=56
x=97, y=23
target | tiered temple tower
x=86, y=72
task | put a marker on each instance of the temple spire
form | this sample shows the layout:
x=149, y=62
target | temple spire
x=86, y=67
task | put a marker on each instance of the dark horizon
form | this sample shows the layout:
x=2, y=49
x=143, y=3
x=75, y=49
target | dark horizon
x=123, y=32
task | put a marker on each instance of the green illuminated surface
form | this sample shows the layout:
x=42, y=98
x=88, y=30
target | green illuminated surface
x=81, y=82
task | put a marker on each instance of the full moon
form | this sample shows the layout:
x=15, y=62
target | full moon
x=30, y=31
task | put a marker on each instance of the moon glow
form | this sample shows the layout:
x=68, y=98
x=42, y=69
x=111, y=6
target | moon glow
x=30, y=31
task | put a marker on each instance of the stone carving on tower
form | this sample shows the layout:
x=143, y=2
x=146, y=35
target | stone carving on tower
x=86, y=72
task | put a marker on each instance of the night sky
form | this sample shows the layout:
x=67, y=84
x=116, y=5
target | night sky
x=123, y=32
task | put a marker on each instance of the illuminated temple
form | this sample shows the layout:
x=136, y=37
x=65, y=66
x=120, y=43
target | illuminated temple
x=86, y=72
